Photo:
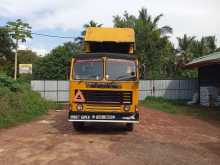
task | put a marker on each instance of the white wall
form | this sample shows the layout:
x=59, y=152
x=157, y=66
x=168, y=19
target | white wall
x=172, y=89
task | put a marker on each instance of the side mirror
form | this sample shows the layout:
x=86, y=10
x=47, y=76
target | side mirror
x=142, y=70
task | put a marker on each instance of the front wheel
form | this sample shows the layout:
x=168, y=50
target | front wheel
x=129, y=127
x=78, y=125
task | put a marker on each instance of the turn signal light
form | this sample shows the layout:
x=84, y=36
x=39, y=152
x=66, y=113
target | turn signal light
x=79, y=107
x=126, y=108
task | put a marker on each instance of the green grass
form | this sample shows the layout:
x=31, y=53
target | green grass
x=180, y=107
x=18, y=103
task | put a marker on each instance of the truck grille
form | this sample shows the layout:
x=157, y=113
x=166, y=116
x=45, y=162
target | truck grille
x=111, y=97
x=102, y=107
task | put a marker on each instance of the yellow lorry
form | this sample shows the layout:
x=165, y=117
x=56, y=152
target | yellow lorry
x=104, y=79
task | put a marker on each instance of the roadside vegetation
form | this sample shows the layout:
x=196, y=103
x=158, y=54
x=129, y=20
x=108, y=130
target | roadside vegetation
x=180, y=107
x=18, y=103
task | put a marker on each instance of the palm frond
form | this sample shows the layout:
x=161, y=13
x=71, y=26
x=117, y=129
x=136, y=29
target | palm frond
x=166, y=30
x=157, y=18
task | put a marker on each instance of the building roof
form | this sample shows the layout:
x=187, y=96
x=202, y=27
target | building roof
x=210, y=59
x=100, y=34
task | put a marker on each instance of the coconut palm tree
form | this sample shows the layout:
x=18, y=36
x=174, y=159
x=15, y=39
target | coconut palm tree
x=185, y=46
x=153, y=22
x=185, y=42
x=210, y=43
x=152, y=42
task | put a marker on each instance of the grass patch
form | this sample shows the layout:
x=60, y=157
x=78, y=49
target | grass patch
x=18, y=103
x=180, y=107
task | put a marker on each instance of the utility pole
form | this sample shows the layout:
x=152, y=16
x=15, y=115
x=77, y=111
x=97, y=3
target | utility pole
x=16, y=61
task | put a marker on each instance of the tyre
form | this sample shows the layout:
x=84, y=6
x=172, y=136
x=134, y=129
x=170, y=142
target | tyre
x=129, y=127
x=78, y=125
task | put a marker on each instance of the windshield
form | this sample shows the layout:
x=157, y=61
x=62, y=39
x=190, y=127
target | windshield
x=120, y=69
x=88, y=69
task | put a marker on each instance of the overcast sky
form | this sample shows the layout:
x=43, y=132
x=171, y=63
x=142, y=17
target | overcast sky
x=66, y=17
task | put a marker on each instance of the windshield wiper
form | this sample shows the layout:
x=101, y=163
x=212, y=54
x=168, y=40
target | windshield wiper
x=88, y=76
x=93, y=75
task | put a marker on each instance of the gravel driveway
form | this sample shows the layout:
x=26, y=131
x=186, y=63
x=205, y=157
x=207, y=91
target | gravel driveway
x=159, y=139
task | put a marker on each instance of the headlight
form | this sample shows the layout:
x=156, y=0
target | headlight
x=79, y=107
x=126, y=108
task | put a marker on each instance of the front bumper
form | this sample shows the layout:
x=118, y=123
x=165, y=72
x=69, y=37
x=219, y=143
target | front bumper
x=103, y=117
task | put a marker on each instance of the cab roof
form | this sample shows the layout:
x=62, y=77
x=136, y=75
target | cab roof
x=101, y=34
x=109, y=55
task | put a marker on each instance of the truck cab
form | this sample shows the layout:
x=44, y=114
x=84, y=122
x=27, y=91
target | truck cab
x=104, y=79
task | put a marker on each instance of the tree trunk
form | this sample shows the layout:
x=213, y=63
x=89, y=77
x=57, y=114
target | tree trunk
x=16, y=60
x=145, y=72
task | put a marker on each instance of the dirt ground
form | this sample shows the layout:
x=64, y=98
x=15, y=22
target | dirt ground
x=159, y=138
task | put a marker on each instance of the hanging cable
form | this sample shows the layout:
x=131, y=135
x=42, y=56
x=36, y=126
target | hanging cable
x=54, y=36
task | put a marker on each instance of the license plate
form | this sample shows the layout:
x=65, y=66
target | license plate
x=92, y=117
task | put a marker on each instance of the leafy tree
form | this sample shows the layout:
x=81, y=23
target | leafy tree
x=190, y=48
x=54, y=65
x=6, y=44
x=90, y=24
x=27, y=57
x=167, y=60
x=19, y=31
x=6, y=53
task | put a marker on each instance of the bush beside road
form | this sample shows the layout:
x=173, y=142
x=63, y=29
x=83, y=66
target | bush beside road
x=18, y=103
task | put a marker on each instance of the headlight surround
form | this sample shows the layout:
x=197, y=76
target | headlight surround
x=79, y=107
x=126, y=108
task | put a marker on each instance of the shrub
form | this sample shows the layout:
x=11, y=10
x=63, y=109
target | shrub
x=6, y=81
x=18, y=103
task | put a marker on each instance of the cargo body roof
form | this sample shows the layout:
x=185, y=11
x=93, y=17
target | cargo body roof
x=118, y=35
